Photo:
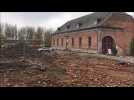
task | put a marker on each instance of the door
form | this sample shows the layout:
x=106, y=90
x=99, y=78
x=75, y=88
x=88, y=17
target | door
x=107, y=43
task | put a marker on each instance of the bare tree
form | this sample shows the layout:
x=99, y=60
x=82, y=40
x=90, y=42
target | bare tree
x=30, y=33
x=10, y=32
x=1, y=29
x=7, y=31
x=15, y=32
x=39, y=33
x=26, y=33
x=2, y=38
x=21, y=34
x=47, y=37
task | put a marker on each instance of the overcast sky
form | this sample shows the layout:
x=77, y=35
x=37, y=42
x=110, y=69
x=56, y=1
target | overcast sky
x=43, y=19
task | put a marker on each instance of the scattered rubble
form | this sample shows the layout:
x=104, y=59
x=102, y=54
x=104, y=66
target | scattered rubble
x=121, y=63
x=65, y=69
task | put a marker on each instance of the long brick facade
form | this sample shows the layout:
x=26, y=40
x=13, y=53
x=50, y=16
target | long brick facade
x=104, y=29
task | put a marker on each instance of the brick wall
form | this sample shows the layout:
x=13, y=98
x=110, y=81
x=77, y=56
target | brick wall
x=84, y=36
x=122, y=38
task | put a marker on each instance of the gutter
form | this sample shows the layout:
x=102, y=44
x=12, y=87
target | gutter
x=90, y=29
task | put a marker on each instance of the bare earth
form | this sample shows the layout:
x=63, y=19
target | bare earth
x=65, y=70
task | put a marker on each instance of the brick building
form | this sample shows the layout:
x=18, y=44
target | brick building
x=96, y=33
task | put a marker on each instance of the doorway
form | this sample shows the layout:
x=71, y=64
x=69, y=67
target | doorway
x=107, y=43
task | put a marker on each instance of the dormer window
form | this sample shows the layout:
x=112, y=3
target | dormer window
x=98, y=20
x=68, y=26
x=79, y=25
x=59, y=29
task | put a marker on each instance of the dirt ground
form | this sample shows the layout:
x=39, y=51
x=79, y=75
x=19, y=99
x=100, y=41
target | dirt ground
x=65, y=69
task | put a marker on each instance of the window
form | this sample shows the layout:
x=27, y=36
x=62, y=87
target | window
x=98, y=20
x=68, y=26
x=72, y=42
x=62, y=42
x=89, y=42
x=57, y=42
x=59, y=29
x=53, y=42
x=79, y=25
x=80, y=42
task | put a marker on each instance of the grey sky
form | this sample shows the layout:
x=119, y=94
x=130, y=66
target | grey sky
x=43, y=19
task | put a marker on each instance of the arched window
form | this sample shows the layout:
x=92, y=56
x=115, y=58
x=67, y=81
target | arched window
x=80, y=42
x=57, y=42
x=61, y=41
x=89, y=41
x=53, y=41
x=72, y=42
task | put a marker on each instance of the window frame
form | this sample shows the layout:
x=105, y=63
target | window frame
x=72, y=42
x=62, y=40
x=79, y=25
x=57, y=41
x=89, y=41
x=80, y=42
x=53, y=41
x=68, y=26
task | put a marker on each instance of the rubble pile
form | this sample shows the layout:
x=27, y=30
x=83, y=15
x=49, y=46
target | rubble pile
x=64, y=69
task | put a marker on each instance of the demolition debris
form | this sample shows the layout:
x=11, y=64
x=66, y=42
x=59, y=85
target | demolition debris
x=64, y=69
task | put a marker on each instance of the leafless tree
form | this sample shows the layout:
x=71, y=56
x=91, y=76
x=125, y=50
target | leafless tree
x=26, y=33
x=2, y=38
x=15, y=32
x=39, y=34
x=10, y=32
x=21, y=33
x=30, y=33
x=47, y=37
x=1, y=29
